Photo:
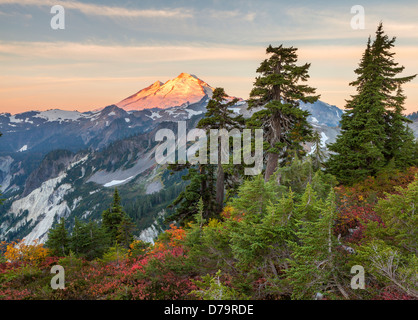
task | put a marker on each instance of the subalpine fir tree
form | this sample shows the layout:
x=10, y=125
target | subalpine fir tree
x=400, y=221
x=318, y=155
x=78, y=237
x=113, y=217
x=401, y=147
x=202, y=185
x=372, y=128
x=312, y=266
x=279, y=90
x=125, y=232
x=255, y=195
x=58, y=239
x=219, y=116
x=88, y=239
x=260, y=238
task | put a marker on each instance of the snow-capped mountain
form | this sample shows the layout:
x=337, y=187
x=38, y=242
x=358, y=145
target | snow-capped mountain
x=186, y=89
x=58, y=163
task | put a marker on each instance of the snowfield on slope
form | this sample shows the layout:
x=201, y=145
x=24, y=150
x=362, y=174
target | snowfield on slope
x=59, y=115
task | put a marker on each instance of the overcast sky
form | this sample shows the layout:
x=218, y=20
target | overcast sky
x=111, y=49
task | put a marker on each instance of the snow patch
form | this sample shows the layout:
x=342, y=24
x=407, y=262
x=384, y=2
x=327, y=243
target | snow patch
x=170, y=111
x=76, y=202
x=193, y=112
x=323, y=139
x=338, y=115
x=73, y=164
x=86, y=214
x=15, y=120
x=236, y=110
x=59, y=115
x=154, y=115
x=24, y=148
x=116, y=182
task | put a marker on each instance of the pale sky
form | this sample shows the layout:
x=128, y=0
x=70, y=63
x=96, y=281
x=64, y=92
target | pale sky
x=111, y=49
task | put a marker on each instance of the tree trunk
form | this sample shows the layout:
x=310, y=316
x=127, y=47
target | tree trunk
x=273, y=158
x=272, y=161
x=203, y=189
x=220, y=177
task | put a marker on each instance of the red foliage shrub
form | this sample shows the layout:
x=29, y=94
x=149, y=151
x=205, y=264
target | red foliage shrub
x=356, y=203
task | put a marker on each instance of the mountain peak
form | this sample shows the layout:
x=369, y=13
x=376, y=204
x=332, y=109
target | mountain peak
x=184, y=89
x=185, y=75
x=157, y=83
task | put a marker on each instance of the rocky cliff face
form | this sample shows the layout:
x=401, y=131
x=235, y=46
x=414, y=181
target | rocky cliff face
x=52, y=165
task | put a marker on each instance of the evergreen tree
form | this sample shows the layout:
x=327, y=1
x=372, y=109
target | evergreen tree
x=254, y=196
x=312, y=264
x=372, y=128
x=88, y=240
x=401, y=145
x=398, y=214
x=261, y=239
x=125, y=232
x=113, y=217
x=58, y=239
x=390, y=248
x=77, y=237
x=202, y=185
x=318, y=155
x=207, y=181
x=296, y=175
x=96, y=241
x=279, y=92
x=218, y=116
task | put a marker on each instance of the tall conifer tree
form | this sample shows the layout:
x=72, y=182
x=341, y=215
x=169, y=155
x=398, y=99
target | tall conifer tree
x=401, y=147
x=112, y=219
x=219, y=116
x=373, y=128
x=279, y=90
x=58, y=239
